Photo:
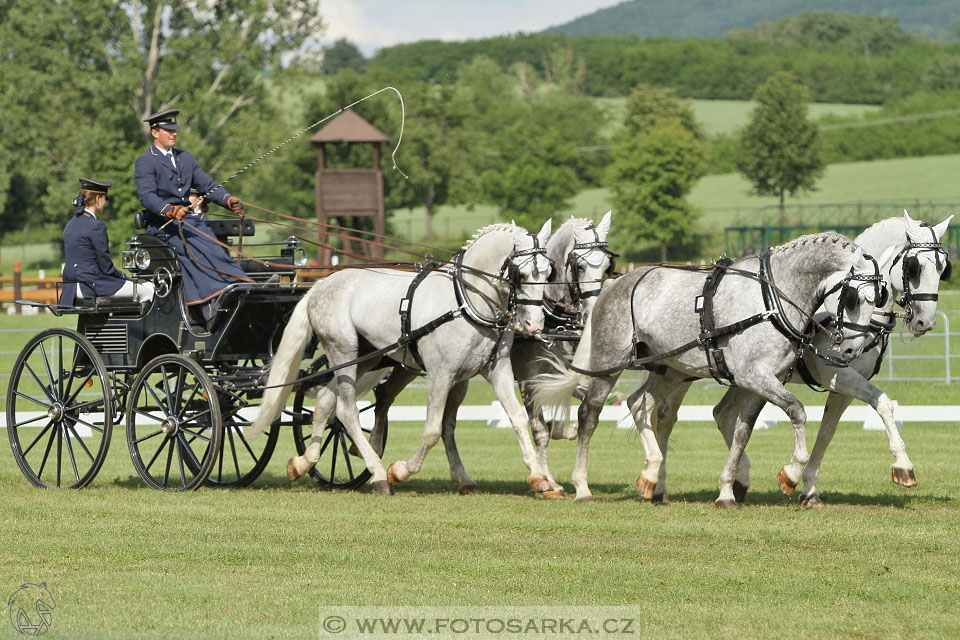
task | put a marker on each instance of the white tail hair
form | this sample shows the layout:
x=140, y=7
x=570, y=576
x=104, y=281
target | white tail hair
x=283, y=368
x=555, y=390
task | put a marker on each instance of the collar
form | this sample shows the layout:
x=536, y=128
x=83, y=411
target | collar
x=87, y=212
x=162, y=152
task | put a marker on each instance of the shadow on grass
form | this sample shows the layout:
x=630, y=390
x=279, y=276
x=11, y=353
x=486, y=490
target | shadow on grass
x=603, y=492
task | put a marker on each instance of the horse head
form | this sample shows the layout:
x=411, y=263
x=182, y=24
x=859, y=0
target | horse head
x=918, y=271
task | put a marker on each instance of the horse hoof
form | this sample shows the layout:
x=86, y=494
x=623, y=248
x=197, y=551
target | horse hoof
x=292, y=474
x=659, y=498
x=583, y=499
x=397, y=473
x=813, y=501
x=787, y=486
x=555, y=494
x=467, y=489
x=538, y=484
x=726, y=503
x=740, y=491
x=903, y=477
x=645, y=487
x=354, y=451
x=382, y=488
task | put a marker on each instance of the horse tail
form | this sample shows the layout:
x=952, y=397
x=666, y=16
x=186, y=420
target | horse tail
x=556, y=389
x=283, y=368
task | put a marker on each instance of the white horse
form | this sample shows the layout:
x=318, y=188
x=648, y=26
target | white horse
x=650, y=313
x=582, y=260
x=493, y=288
x=916, y=263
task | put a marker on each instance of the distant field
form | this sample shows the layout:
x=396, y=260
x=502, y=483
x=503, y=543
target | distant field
x=726, y=116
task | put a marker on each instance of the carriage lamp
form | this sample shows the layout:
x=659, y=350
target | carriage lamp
x=142, y=258
x=294, y=249
x=135, y=257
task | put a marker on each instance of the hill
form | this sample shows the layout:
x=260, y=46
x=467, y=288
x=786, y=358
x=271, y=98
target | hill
x=936, y=19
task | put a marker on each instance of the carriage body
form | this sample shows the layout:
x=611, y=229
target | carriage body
x=184, y=389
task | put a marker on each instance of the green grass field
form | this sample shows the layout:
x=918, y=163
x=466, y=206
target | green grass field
x=879, y=561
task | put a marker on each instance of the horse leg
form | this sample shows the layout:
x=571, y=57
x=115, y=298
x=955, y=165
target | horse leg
x=500, y=377
x=588, y=417
x=835, y=406
x=542, y=434
x=384, y=395
x=644, y=406
x=747, y=416
x=346, y=381
x=666, y=419
x=725, y=413
x=458, y=473
x=438, y=387
x=849, y=382
x=322, y=413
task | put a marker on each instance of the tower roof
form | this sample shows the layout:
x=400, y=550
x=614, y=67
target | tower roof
x=349, y=127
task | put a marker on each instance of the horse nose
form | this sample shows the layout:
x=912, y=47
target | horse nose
x=532, y=325
x=850, y=353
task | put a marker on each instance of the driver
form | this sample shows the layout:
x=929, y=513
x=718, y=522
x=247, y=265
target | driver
x=164, y=177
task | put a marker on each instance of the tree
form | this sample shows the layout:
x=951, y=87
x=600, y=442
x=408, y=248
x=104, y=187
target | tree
x=96, y=68
x=780, y=149
x=341, y=55
x=658, y=158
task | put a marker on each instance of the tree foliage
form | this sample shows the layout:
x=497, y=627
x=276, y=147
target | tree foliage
x=341, y=55
x=780, y=149
x=657, y=160
x=80, y=77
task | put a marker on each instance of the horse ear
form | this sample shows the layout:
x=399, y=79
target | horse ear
x=544, y=234
x=604, y=227
x=941, y=228
x=858, y=258
x=914, y=230
x=886, y=257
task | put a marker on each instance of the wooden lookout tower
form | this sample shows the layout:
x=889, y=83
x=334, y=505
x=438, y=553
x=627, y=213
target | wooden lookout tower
x=349, y=192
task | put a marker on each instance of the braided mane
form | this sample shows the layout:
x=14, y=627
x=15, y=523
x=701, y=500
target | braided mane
x=496, y=226
x=827, y=236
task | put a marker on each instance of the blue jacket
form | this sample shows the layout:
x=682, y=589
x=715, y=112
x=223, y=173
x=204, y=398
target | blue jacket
x=88, y=262
x=160, y=186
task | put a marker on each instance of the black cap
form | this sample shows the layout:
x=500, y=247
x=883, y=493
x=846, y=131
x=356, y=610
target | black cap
x=94, y=186
x=164, y=120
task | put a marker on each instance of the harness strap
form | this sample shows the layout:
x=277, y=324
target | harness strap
x=405, y=305
x=708, y=335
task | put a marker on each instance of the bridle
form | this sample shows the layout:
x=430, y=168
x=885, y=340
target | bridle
x=577, y=254
x=910, y=269
x=510, y=273
x=850, y=297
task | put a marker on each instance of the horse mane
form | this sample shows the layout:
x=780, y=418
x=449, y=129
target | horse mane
x=838, y=239
x=490, y=228
x=878, y=229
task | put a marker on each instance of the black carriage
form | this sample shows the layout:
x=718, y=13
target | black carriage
x=184, y=388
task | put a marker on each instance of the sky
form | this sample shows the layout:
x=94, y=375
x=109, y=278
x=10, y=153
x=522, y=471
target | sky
x=373, y=24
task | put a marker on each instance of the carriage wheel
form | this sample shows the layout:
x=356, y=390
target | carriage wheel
x=174, y=426
x=240, y=462
x=337, y=468
x=59, y=411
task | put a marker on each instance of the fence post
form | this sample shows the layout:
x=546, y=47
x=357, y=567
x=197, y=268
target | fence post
x=946, y=342
x=17, y=285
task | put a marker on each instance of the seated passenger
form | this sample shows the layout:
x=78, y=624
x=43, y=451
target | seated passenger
x=164, y=177
x=87, y=251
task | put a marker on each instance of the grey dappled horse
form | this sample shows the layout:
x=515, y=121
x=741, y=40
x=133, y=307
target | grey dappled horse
x=498, y=290
x=581, y=260
x=906, y=242
x=651, y=311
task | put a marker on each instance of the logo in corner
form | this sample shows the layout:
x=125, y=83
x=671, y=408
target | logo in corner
x=30, y=609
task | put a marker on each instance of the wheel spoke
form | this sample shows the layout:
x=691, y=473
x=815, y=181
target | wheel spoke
x=173, y=407
x=326, y=442
x=147, y=437
x=26, y=422
x=156, y=454
x=45, y=388
x=166, y=472
x=160, y=404
x=233, y=451
x=59, y=453
x=196, y=416
x=80, y=441
x=46, y=453
x=193, y=394
x=46, y=363
x=73, y=460
x=195, y=435
x=333, y=466
x=37, y=439
x=189, y=452
x=246, y=445
x=183, y=472
x=141, y=412
x=346, y=455
x=71, y=396
x=20, y=394
x=88, y=424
